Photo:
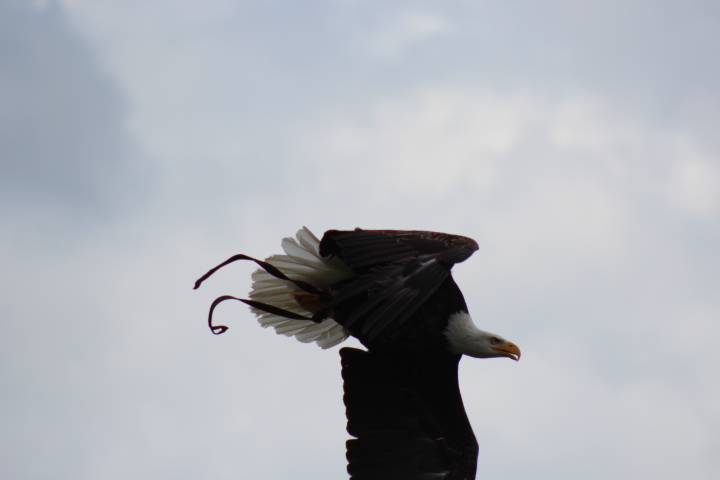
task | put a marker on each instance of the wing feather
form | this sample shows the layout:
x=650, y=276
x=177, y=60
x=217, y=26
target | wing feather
x=367, y=248
x=407, y=417
x=397, y=272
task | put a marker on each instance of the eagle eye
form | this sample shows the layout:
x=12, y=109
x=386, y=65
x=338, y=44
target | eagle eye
x=494, y=340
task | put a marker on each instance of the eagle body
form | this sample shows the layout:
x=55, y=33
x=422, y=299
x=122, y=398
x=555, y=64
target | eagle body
x=424, y=330
x=393, y=291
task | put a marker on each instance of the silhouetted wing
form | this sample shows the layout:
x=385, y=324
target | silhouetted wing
x=407, y=417
x=398, y=270
x=362, y=249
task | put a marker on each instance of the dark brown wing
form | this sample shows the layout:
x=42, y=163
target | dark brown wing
x=364, y=249
x=407, y=417
x=398, y=271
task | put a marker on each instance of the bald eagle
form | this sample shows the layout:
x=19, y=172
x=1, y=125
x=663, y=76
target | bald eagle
x=393, y=291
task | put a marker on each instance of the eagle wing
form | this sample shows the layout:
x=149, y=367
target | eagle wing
x=397, y=271
x=407, y=417
x=364, y=249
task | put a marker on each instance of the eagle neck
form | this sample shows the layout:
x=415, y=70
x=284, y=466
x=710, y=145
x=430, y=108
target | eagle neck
x=463, y=336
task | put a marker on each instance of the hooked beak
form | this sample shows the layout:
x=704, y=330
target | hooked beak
x=509, y=350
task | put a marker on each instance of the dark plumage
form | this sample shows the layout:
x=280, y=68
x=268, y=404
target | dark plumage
x=393, y=291
x=407, y=417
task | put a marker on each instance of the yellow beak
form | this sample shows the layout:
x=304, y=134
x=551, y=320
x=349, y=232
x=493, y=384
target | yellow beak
x=508, y=349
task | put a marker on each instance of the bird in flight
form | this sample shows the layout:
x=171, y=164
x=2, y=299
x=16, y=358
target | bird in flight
x=393, y=291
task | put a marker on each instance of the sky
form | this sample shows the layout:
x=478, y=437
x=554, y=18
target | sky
x=143, y=142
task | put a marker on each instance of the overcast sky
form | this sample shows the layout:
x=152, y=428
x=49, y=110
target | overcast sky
x=143, y=142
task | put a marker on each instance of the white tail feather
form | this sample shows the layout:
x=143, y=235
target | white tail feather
x=302, y=261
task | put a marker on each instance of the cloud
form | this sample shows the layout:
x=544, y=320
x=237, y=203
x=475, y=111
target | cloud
x=395, y=35
x=449, y=140
x=63, y=119
x=694, y=186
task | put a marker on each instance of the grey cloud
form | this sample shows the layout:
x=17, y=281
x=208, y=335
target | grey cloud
x=62, y=129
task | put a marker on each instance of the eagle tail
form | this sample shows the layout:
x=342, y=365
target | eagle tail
x=286, y=291
x=301, y=262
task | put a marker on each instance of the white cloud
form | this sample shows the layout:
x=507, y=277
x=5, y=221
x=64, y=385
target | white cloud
x=433, y=141
x=393, y=37
x=645, y=429
x=693, y=186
